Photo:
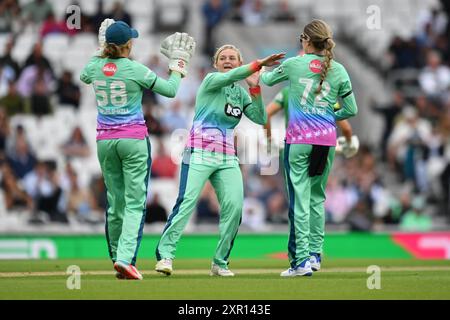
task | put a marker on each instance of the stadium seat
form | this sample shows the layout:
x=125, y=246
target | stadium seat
x=23, y=46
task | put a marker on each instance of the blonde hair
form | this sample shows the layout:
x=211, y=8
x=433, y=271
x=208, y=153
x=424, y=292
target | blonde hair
x=321, y=37
x=224, y=47
x=114, y=51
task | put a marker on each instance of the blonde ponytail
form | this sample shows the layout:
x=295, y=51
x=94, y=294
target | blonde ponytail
x=329, y=45
x=114, y=51
x=321, y=37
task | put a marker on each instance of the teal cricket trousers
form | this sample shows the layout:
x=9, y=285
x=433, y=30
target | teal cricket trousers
x=306, y=202
x=225, y=175
x=125, y=165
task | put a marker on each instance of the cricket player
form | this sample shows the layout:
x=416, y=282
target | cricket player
x=210, y=153
x=123, y=146
x=281, y=102
x=316, y=81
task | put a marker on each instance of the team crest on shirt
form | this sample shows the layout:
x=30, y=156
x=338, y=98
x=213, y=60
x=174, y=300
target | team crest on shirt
x=315, y=66
x=233, y=111
x=279, y=69
x=109, y=69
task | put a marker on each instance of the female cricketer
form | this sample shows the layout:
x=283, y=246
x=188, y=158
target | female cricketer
x=281, y=102
x=210, y=153
x=123, y=147
x=316, y=81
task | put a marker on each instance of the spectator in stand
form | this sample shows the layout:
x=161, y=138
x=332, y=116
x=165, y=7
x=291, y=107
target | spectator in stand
x=359, y=218
x=403, y=54
x=36, y=11
x=155, y=211
x=15, y=197
x=283, y=13
x=16, y=134
x=118, y=13
x=254, y=214
x=40, y=98
x=339, y=201
x=427, y=109
x=398, y=207
x=253, y=12
x=154, y=64
x=21, y=159
x=235, y=10
x=13, y=101
x=6, y=76
x=79, y=201
x=52, y=26
x=8, y=60
x=98, y=16
x=162, y=164
x=175, y=118
x=208, y=206
x=4, y=130
x=154, y=126
x=9, y=15
x=68, y=92
x=37, y=57
x=415, y=219
x=407, y=145
x=214, y=11
x=76, y=146
x=98, y=190
x=434, y=79
x=389, y=113
x=42, y=184
x=30, y=76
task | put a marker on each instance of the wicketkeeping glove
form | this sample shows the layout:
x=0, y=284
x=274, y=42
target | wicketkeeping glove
x=179, y=48
x=347, y=149
x=101, y=35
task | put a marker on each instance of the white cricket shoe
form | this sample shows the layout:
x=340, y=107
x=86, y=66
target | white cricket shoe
x=164, y=266
x=315, y=259
x=303, y=269
x=218, y=271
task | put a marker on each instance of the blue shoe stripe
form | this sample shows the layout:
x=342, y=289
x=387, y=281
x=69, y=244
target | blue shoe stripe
x=106, y=226
x=176, y=208
x=144, y=211
x=292, y=241
x=232, y=241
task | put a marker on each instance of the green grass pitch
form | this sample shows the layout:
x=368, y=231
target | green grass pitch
x=256, y=279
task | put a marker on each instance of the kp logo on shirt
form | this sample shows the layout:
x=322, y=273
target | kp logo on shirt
x=109, y=69
x=233, y=111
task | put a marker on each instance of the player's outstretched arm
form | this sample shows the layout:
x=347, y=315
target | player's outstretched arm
x=218, y=80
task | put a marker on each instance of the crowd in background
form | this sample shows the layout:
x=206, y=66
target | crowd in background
x=393, y=183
